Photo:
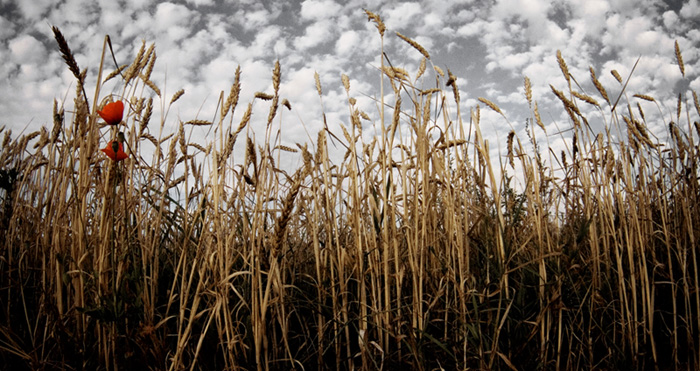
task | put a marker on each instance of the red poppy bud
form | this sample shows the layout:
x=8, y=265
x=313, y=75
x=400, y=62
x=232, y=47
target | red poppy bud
x=112, y=113
x=115, y=156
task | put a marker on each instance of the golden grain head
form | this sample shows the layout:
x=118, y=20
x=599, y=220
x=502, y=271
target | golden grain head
x=389, y=72
x=245, y=120
x=232, y=99
x=198, y=147
x=286, y=103
x=395, y=119
x=563, y=67
x=66, y=53
x=452, y=82
x=439, y=71
x=599, y=86
x=567, y=103
x=538, y=118
x=347, y=135
x=150, y=138
x=430, y=91
x=115, y=72
x=276, y=77
x=317, y=79
x=617, y=76
x=641, y=112
x=414, y=44
x=153, y=86
x=177, y=95
x=400, y=73
x=133, y=70
x=151, y=62
x=286, y=148
x=422, y=68
x=263, y=96
x=378, y=20
x=273, y=109
x=491, y=105
x=645, y=97
x=586, y=98
x=198, y=122
x=528, y=90
x=346, y=82
x=679, y=58
x=509, y=147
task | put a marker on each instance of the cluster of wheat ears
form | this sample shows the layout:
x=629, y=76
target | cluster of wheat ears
x=413, y=251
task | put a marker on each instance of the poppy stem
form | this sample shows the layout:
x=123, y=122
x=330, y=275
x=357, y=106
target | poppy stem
x=112, y=237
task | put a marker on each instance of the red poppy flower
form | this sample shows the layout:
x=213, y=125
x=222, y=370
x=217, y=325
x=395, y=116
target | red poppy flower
x=115, y=151
x=113, y=112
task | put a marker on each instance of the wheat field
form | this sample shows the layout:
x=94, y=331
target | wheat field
x=415, y=251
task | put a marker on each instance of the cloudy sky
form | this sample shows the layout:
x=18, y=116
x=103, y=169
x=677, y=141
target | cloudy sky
x=490, y=45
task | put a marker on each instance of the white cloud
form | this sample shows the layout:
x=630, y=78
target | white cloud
x=7, y=29
x=200, y=2
x=592, y=13
x=79, y=11
x=402, y=16
x=625, y=34
x=265, y=41
x=471, y=29
x=670, y=19
x=26, y=48
x=319, y=9
x=347, y=43
x=432, y=22
x=136, y=5
x=514, y=61
x=34, y=10
x=253, y=20
x=491, y=44
x=690, y=10
x=174, y=19
x=315, y=34
x=695, y=84
x=533, y=11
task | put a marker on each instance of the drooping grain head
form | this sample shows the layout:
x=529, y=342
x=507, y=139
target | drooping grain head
x=599, y=86
x=491, y=105
x=414, y=44
x=616, y=75
x=177, y=96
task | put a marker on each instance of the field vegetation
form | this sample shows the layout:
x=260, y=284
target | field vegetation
x=417, y=250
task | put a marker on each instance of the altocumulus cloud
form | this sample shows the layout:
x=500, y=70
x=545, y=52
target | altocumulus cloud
x=489, y=45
